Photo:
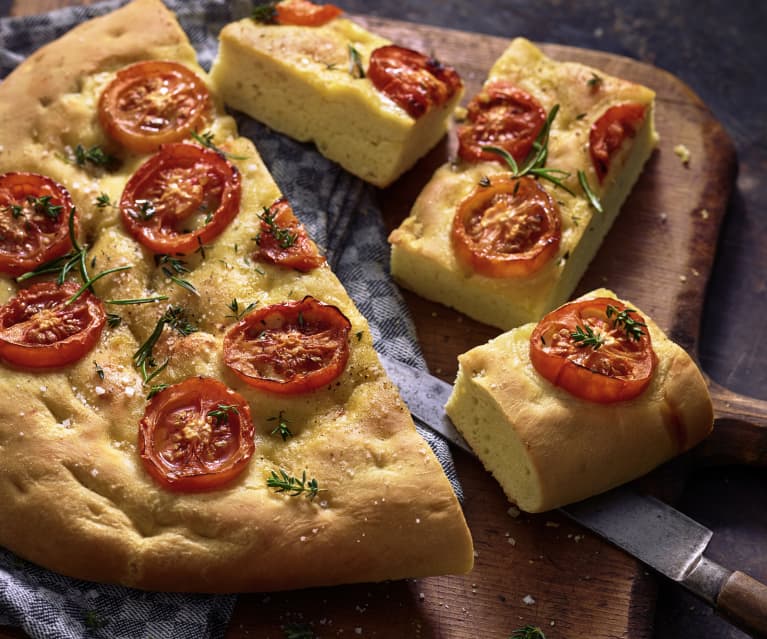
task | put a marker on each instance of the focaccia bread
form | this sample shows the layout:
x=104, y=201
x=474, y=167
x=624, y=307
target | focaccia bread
x=93, y=484
x=505, y=255
x=322, y=84
x=548, y=446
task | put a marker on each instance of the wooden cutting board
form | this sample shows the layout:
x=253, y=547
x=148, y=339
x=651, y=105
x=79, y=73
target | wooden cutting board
x=542, y=569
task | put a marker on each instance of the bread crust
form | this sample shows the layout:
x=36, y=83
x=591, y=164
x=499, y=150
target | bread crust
x=74, y=496
x=569, y=448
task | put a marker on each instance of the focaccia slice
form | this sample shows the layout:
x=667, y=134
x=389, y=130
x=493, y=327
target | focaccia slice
x=75, y=495
x=526, y=258
x=316, y=83
x=548, y=446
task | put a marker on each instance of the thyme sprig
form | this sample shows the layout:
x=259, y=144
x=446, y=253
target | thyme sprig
x=284, y=237
x=173, y=268
x=528, y=632
x=43, y=206
x=237, y=312
x=221, y=413
x=622, y=318
x=265, y=13
x=587, y=337
x=356, y=69
x=293, y=486
x=95, y=156
x=103, y=200
x=206, y=140
x=281, y=428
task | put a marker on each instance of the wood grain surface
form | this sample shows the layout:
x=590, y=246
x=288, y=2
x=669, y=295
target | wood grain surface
x=542, y=569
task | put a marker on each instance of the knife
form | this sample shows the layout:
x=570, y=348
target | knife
x=658, y=535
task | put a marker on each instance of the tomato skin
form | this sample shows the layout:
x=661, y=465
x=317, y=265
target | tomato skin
x=610, y=130
x=32, y=238
x=619, y=370
x=180, y=181
x=38, y=329
x=412, y=80
x=301, y=252
x=289, y=348
x=152, y=103
x=184, y=448
x=504, y=116
x=306, y=14
x=510, y=228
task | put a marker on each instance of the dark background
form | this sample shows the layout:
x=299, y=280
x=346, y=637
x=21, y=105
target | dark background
x=719, y=49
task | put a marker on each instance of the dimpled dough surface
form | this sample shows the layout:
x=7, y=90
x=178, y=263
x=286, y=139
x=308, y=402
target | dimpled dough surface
x=75, y=496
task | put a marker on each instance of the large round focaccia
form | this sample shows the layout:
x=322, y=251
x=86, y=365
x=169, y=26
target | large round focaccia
x=74, y=494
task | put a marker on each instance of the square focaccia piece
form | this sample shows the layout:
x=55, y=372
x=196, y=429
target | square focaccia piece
x=198, y=406
x=505, y=249
x=371, y=106
x=592, y=396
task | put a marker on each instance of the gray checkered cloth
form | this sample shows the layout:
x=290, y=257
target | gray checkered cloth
x=341, y=213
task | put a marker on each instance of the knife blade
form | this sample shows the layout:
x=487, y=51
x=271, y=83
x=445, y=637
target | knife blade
x=660, y=536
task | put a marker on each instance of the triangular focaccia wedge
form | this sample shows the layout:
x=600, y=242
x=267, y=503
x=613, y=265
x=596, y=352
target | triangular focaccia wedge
x=74, y=494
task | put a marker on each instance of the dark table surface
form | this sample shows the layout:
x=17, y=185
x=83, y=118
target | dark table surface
x=719, y=49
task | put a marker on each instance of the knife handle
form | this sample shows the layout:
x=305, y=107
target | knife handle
x=743, y=601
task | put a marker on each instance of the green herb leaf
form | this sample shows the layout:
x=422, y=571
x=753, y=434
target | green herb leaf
x=284, y=237
x=356, y=70
x=237, y=312
x=265, y=13
x=586, y=337
x=103, y=201
x=298, y=631
x=282, y=427
x=143, y=358
x=293, y=486
x=94, y=155
x=221, y=413
x=590, y=195
x=528, y=632
x=622, y=318
x=206, y=140
x=43, y=206
x=172, y=267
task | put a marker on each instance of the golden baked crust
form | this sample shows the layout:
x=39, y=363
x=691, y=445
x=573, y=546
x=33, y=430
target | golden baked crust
x=296, y=79
x=422, y=256
x=548, y=448
x=73, y=492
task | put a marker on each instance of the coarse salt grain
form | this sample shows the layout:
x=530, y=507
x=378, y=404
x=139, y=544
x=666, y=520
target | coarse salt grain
x=100, y=390
x=528, y=600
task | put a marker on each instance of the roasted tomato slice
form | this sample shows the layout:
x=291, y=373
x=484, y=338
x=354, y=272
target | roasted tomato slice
x=415, y=82
x=289, y=348
x=504, y=116
x=183, y=196
x=304, y=13
x=152, y=103
x=283, y=240
x=40, y=328
x=609, y=132
x=196, y=435
x=597, y=349
x=509, y=227
x=34, y=221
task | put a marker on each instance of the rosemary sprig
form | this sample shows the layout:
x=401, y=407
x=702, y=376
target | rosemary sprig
x=173, y=267
x=143, y=358
x=622, y=318
x=237, y=312
x=137, y=300
x=587, y=337
x=265, y=13
x=528, y=632
x=206, y=140
x=281, y=428
x=356, y=69
x=590, y=195
x=293, y=486
x=221, y=413
x=284, y=237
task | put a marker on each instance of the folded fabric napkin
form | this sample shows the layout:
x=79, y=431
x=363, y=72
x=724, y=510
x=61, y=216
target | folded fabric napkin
x=341, y=214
